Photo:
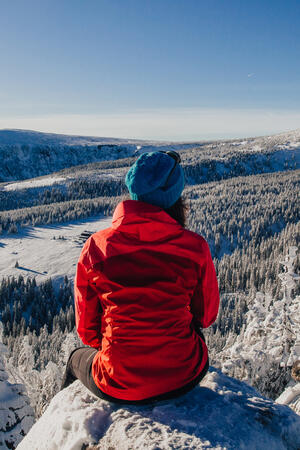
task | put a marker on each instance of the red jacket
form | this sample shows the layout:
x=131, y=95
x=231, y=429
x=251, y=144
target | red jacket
x=138, y=286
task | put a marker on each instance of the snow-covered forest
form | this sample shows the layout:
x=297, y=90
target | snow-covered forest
x=242, y=196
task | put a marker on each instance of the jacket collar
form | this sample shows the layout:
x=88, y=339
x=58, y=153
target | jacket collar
x=146, y=221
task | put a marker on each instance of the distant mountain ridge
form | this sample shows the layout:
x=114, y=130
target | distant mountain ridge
x=28, y=137
x=27, y=154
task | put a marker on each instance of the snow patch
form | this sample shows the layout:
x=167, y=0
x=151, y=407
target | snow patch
x=35, y=182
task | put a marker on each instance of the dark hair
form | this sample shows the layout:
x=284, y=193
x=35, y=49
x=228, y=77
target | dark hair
x=178, y=211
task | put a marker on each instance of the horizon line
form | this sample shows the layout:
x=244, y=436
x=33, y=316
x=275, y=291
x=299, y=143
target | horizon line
x=180, y=125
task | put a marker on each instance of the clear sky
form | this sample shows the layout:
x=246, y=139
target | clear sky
x=160, y=69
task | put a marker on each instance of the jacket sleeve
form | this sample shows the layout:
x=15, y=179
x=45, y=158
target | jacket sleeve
x=87, y=303
x=205, y=300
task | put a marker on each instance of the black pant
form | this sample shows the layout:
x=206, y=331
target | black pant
x=79, y=367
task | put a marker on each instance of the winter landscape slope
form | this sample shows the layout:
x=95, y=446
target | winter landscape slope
x=28, y=154
x=243, y=198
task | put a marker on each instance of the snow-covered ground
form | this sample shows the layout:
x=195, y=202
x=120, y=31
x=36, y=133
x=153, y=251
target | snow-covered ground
x=221, y=413
x=40, y=255
x=57, y=180
x=34, y=182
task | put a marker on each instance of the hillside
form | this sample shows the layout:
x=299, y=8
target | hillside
x=27, y=154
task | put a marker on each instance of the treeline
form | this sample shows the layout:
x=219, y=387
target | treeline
x=89, y=183
x=94, y=167
x=204, y=169
x=27, y=307
x=39, y=331
x=231, y=214
x=19, y=162
x=81, y=188
x=266, y=347
x=249, y=223
x=255, y=267
x=241, y=275
x=56, y=213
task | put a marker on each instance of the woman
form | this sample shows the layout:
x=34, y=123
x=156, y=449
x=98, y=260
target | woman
x=143, y=289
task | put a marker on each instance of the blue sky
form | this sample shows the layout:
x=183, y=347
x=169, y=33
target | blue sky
x=160, y=69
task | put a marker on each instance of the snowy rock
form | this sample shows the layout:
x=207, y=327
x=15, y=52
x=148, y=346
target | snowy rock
x=220, y=413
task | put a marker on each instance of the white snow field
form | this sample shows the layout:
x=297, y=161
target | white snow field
x=222, y=413
x=34, y=182
x=41, y=256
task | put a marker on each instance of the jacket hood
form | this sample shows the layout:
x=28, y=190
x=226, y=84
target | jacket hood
x=147, y=222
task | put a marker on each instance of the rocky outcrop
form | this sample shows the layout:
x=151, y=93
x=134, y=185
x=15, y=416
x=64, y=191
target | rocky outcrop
x=222, y=412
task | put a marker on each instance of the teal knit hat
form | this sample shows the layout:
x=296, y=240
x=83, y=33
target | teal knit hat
x=155, y=178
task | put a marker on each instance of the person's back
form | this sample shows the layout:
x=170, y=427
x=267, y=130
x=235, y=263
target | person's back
x=146, y=269
x=140, y=287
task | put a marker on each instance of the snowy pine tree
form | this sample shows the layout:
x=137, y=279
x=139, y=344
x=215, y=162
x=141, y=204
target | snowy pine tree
x=16, y=414
x=268, y=344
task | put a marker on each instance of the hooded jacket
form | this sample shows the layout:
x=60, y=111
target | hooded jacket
x=138, y=288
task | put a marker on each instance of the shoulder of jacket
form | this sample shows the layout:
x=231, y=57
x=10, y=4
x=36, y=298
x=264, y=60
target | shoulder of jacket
x=102, y=234
x=92, y=251
x=196, y=238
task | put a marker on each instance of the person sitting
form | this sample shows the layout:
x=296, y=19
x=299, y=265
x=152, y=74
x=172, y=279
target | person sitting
x=144, y=289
